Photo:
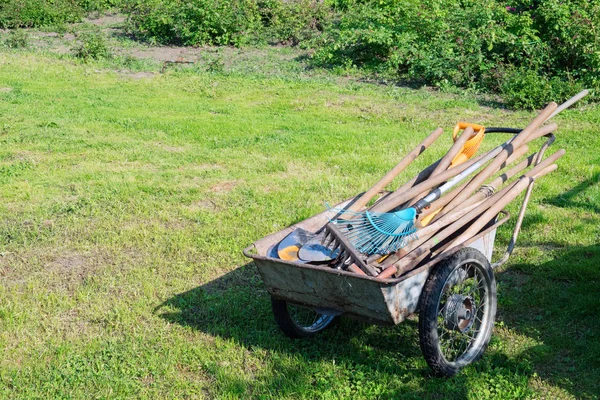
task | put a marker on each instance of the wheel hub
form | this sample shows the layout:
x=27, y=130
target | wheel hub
x=460, y=313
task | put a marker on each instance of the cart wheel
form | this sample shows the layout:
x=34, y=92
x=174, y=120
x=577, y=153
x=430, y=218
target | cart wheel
x=457, y=311
x=299, y=322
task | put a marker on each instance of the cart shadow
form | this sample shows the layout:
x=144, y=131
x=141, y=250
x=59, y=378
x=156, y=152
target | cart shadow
x=236, y=307
x=555, y=306
x=572, y=198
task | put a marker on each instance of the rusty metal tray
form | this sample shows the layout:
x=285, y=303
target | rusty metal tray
x=333, y=291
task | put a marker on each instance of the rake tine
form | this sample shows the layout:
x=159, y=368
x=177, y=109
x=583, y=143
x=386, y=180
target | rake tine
x=328, y=240
x=347, y=251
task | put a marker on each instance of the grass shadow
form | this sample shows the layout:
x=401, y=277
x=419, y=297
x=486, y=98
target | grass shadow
x=568, y=199
x=556, y=304
x=236, y=306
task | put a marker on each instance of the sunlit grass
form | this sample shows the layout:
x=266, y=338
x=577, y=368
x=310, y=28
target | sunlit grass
x=126, y=203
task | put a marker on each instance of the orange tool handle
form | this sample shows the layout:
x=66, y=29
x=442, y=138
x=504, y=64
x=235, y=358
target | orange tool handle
x=480, y=129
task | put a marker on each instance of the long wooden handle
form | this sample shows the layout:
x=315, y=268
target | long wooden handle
x=403, y=194
x=517, y=141
x=393, y=173
x=495, y=208
x=570, y=102
x=446, y=161
x=398, y=197
x=438, y=204
x=549, y=112
x=415, y=250
x=480, y=195
x=427, y=172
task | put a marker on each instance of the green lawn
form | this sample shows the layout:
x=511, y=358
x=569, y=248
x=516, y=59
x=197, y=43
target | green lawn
x=126, y=202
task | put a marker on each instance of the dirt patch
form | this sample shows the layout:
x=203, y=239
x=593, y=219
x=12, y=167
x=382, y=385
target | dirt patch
x=6, y=90
x=137, y=75
x=169, y=54
x=69, y=270
x=7, y=261
x=224, y=187
x=68, y=262
x=203, y=205
x=71, y=324
x=106, y=20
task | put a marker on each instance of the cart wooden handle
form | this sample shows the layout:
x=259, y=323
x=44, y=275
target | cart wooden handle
x=429, y=214
x=500, y=180
x=414, y=252
x=426, y=173
x=495, y=209
x=480, y=196
x=517, y=141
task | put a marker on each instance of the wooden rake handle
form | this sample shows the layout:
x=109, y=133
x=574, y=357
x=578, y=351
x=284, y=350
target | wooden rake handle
x=452, y=222
x=491, y=213
x=446, y=161
x=394, y=172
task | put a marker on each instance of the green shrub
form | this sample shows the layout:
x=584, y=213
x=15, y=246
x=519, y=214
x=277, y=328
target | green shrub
x=17, y=39
x=530, y=51
x=225, y=22
x=195, y=22
x=293, y=22
x=525, y=88
x=92, y=46
x=99, y=5
x=30, y=13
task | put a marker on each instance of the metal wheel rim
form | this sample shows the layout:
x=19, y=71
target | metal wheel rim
x=467, y=279
x=308, y=319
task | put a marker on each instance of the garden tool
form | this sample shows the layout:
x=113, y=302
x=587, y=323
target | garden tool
x=373, y=232
x=468, y=150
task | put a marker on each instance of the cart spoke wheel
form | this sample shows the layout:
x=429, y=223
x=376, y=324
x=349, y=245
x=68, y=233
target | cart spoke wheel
x=298, y=321
x=458, y=307
x=307, y=318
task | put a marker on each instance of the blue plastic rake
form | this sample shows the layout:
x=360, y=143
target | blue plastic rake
x=372, y=232
x=376, y=232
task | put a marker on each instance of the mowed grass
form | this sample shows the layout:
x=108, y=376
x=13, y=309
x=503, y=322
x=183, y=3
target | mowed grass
x=126, y=203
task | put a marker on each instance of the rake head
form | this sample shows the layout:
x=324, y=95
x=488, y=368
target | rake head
x=378, y=233
x=334, y=239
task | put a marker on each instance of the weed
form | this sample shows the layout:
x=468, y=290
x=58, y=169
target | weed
x=215, y=65
x=92, y=45
x=17, y=39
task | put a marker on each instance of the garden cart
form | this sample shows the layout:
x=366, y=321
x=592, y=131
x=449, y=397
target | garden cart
x=451, y=286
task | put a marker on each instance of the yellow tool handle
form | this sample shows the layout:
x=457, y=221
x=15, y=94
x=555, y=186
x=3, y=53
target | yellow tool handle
x=480, y=129
x=472, y=145
x=469, y=149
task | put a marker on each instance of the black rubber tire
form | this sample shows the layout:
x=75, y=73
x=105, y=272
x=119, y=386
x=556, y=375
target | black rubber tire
x=292, y=327
x=435, y=317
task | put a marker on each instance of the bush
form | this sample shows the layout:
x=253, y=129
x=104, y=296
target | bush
x=530, y=51
x=293, y=22
x=30, y=13
x=99, y=5
x=225, y=22
x=17, y=39
x=92, y=46
x=194, y=22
